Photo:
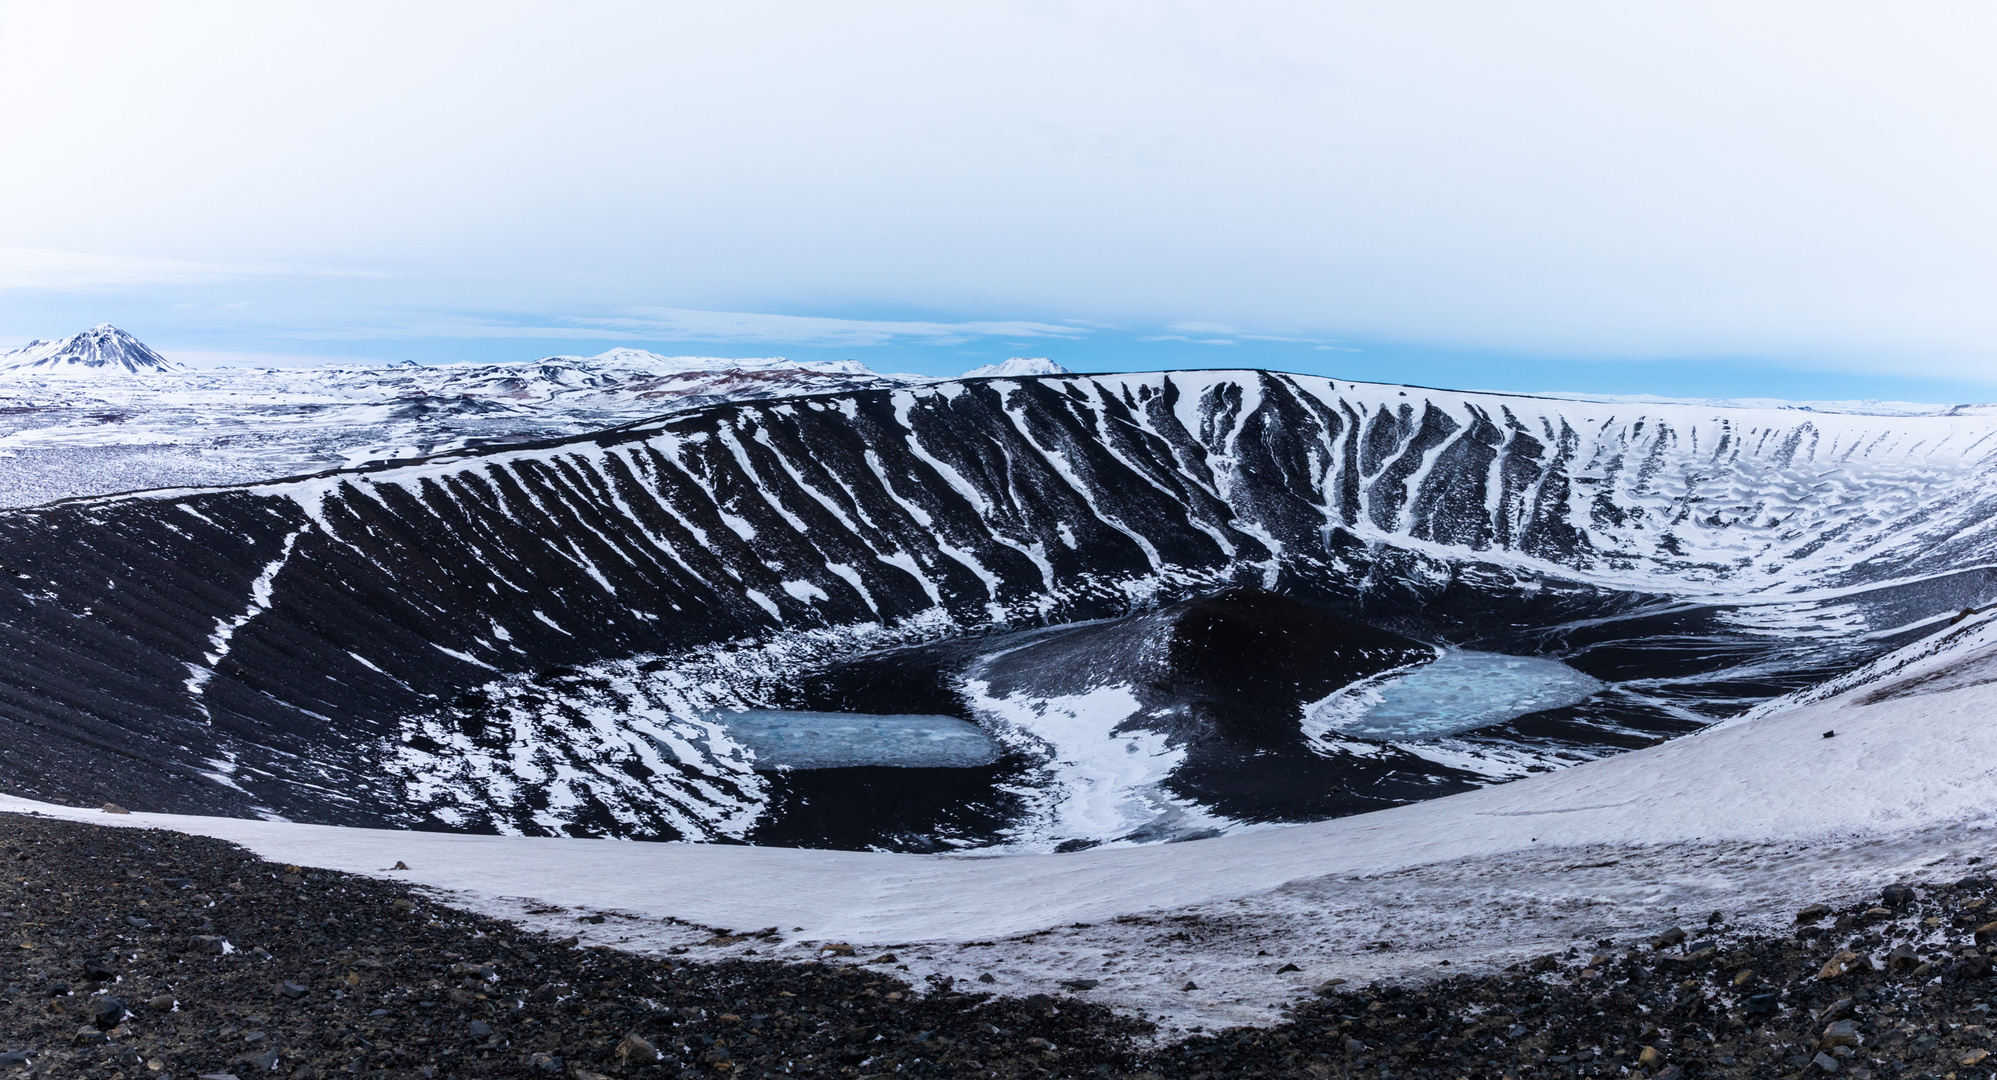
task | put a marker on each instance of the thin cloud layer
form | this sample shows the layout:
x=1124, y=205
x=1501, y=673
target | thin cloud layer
x=35, y=268
x=1793, y=184
x=673, y=324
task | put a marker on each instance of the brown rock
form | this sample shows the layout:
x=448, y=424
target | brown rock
x=636, y=1050
x=1837, y=965
x=1842, y=1033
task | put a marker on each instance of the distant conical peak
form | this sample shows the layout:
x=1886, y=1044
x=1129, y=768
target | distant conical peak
x=101, y=350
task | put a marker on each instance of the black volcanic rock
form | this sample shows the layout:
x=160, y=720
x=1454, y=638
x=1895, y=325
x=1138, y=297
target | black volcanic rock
x=1757, y=1009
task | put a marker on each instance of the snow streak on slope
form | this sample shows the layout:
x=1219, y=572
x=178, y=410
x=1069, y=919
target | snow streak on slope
x=1001, y=502
x=260, y=596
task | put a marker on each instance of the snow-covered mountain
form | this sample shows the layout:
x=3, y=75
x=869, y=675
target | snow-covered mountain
x=546, y=638
x=102, y=350
x=1016, y=367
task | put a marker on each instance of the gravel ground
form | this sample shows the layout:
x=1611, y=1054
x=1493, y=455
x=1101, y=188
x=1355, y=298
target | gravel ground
x=141, y=953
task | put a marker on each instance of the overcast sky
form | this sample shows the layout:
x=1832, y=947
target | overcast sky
x=1732, y=198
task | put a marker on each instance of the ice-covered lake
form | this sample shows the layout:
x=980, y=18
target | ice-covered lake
x=822, y=740
x=1458, y=691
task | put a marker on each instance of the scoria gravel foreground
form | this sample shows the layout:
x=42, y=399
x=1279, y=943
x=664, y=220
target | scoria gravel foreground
x=143, y=953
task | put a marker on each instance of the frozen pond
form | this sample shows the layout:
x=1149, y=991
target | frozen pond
x=820, y=740
x=1459, y=691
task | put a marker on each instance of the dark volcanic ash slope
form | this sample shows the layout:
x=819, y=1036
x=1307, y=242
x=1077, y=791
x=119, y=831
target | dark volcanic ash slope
x=329, y=974
x=258, y=649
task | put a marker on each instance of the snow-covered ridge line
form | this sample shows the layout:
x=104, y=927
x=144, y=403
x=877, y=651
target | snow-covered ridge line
x=1636, y=483
x=989, y=501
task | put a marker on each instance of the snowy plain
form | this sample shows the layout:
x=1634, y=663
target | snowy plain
x=122, y=418
x=1813, y=798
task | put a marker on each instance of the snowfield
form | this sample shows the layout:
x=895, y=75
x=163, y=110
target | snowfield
x=100, y=412
x=1752, y=818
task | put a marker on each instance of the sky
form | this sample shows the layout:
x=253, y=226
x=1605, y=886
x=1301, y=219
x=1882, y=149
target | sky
x=1694, y=199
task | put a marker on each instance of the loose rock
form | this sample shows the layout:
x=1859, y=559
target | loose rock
x=636, y=1050
x=106, y=1011
x=1841, y=1033
x=1837, y=965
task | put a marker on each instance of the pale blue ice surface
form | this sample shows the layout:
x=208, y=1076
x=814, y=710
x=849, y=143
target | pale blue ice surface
x=820, y=740
x=1460, y=691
